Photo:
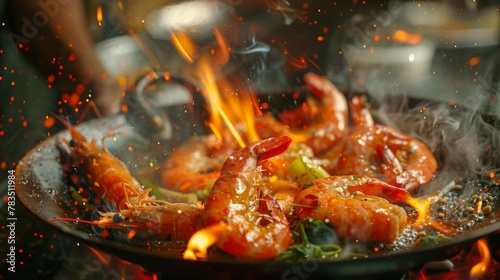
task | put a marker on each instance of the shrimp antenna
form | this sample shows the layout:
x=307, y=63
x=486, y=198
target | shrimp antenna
x=105, y=223
x=75, y=220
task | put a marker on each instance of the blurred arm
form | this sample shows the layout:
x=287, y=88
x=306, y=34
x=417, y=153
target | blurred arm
x=54, y=35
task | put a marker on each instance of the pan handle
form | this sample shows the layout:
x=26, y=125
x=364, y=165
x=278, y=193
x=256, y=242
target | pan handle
x=151, y=119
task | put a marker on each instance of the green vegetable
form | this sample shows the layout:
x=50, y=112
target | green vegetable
x=314, y=240
x=305, y=170
x=79, y=198
x=169, y=195
x=155, y=189
x=428, y=241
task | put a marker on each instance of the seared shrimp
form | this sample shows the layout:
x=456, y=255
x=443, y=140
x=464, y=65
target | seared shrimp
x=257, y=227
x=108, y=177
x=376, y=150
x=357, y=207
x=320, y=123
x=194, y=165
x=159, y=220
x=330, y=124
x=134, y=208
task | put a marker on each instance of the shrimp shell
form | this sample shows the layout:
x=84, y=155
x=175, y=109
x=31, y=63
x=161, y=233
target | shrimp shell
x=365, y=217
x=258, y=228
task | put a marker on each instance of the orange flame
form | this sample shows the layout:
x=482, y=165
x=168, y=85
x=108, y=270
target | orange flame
x=480, y=268
x=123, y=267
x=422, y=206
x=184, y=45
x=204, y=238
x=227, y=105
x=99, y=15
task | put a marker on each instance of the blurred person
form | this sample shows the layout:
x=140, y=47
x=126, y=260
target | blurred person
x=48, y=64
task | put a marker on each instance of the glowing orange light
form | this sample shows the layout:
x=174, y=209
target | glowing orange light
x=49, y=122
x=131, y=234
x=474, y=61
x=124, y=108
x=224, y=46
x=204, y=238
x=74, y=99
x=402, y=36
x=184, y=45
x=321, y=38
x=105, y=234
x=99, y=15
x=3, y=165
x=479, y=269
x=492, y=174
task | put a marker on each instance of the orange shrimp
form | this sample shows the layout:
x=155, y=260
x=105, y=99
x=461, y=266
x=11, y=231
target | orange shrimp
x=376, y=150
x=194, y=165
x=257, y=227
x=159, y=220
x=108, y=177
x=330, y=124
x=355, y=206
x=320, y=123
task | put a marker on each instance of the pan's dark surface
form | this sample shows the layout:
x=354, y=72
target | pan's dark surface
x=41, y=187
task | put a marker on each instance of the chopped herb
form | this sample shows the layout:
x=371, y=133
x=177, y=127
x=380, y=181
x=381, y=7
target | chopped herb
x=427, y=241
x=313, y=240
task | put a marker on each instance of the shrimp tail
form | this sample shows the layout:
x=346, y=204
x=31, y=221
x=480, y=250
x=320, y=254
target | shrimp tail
x=271, y=147
x=360, y=115
x=391, y=162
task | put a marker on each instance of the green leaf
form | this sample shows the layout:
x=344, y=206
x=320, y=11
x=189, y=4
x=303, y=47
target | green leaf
x=428, y=241
x=314, y=240
x=306, y=170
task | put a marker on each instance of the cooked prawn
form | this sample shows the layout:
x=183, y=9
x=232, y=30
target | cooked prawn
x=377, y=150
x=195, y=164
x=108, y=177
x=134, y=208
x=320, y=123
x=355, y=206
x=257, y=227
x=330, y=124
x=152, y=220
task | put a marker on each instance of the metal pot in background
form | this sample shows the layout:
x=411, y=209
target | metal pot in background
x=421, y=49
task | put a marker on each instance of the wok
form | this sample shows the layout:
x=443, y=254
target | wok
x=42, y=188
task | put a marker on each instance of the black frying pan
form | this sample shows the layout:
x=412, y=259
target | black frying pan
x=42, y=188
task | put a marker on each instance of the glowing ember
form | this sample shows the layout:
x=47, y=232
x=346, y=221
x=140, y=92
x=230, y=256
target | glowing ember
x=202, y=240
